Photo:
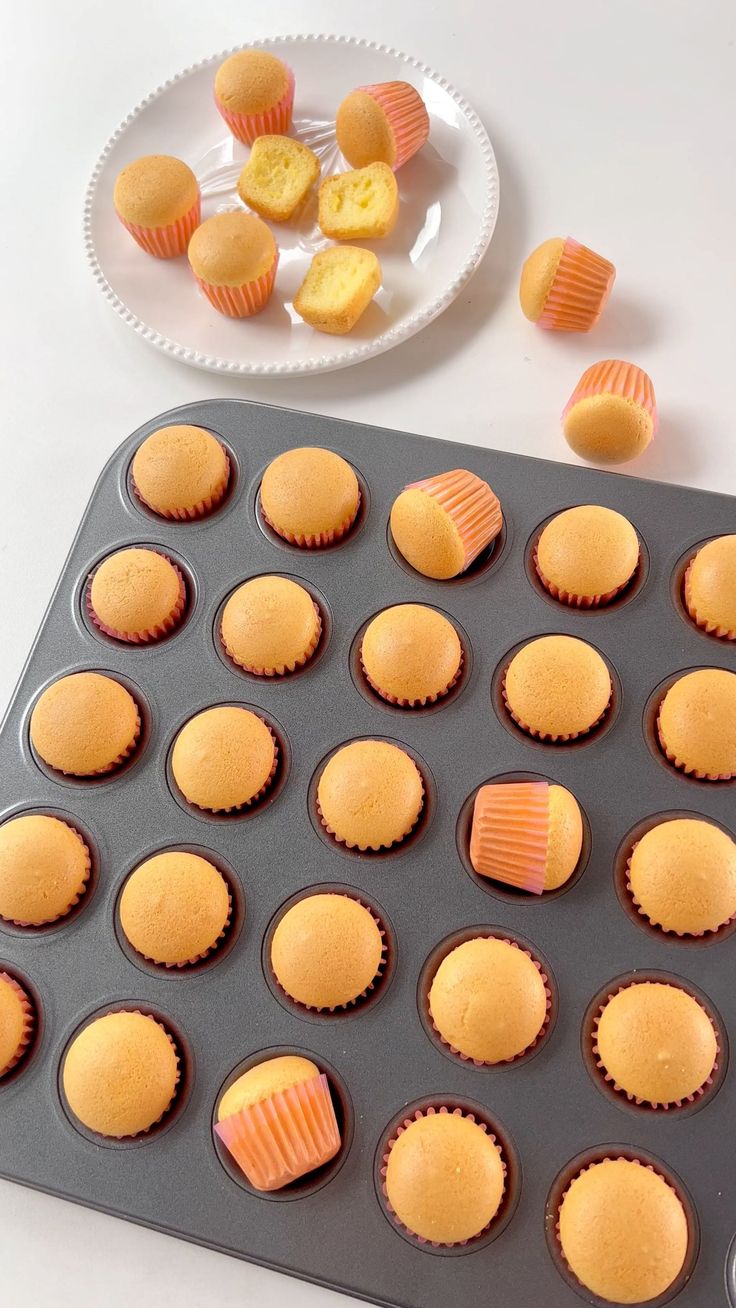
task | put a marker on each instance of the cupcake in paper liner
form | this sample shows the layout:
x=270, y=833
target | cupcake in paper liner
x=224, y=759
x=310, y=496
x=254, y=93
x=557, y=688
x=85, y=724
x=328, y=951
x=136, y=595
x=564, y=285
x=45, y=867
x=655, y=1044
x=696, y=724
x=370, y=795
x=411, y=655
x=681, y=876
x=180, y=472
x=121, y=1073
x=383, y=123
x=611, y=415
x=526, y=834
x=586, y=556
x=444, y=1177
x=270, y=626
x=17, y=1023
x=278, y=1121
x=441, y=524
x=234, y=257
x=157, y=200
x=175, y=908
x=622, y=1230
x=489, y=1001
x=710, y=587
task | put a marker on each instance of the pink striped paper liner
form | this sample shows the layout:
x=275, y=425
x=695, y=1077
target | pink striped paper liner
x=149, y=634
x=271, y=122
x=616, y=377
x=241, y=301
x=509, y=836
x=471, y=504
x=313, y=540
x=75, y=898
x=407, y=116
x=29, y=1022
x=283, y=669
x=480, y=1062
x=170, y=241
x=581, y=601
x=283, y=1137
x=199, y=510
x=579, y=290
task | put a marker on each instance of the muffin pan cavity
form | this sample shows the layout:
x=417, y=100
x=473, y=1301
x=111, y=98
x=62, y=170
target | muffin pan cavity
x=224, y=505
x=651, y=714
x=273, y=787
x=85, y=899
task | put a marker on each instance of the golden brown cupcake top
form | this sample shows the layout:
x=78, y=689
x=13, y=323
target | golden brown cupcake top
x=487, y=1000
x=84, y=724
x=326, y=951
x=557, y=686
x=537, y=276
x=588, y=551
x=309, y=492
x=44, y=868
x=656, y=1042
x=411, y=653
x=364, y=133
x=154, y=191
x=16, y=1022
x=682, y=874
x=370, y=794
x=174, y=908
x=223, y=758
x=231, y=249
x=135, y=594
x=271, y=1077
x=120, y=1074
x=710, y=587
x=178, y=469
x=251, y=81
x=697, y=723
x=270, y=625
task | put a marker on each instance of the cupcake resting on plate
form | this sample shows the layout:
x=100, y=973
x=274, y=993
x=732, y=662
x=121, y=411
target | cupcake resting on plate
x=384, y=123
x=278, y=177
x=157, y=199
x=234, y=258
x=359, y=206
x=254, y=93
x=340, y=284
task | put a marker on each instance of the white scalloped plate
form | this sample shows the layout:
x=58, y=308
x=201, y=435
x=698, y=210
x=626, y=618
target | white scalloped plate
x=449, y=203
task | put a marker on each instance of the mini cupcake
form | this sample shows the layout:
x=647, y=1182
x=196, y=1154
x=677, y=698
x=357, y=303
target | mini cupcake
x=656, y=1044
x=136, y=595
x=611, y=415
x=444, y=1177
x=310, y=496
x=526, y=834
x=682, y=876
x=557, y=688
x=442, y=524
x=384, y=123
x=157, y=199
x=278, y=1121
x=44, y=869
x=370, y=795
x=623, y=1231
x=696, y=724
x=710, y=587
x=564, y=285
x=270, y=626
x=234, y=258
x=254, y=92
x=120, y=1074
x=180, y=472
x=175, y=908
x=327, y=951
x=489, y=1001
x=17, y=1022
x=587, y=555
x=411, y=655
x=224, y=759
x=85, y=724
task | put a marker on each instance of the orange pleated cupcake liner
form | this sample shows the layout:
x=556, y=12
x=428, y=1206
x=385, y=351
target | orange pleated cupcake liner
x=670, y=931
x=170, y=241
x=681, y=764
x=149, y=634
x=553, y=738
x=471, y=504
x=285, y=668
x=259, y=795
x=407, y=117
x=616, y=377
x=581, y=601
x=241, y=301
x=705, y=624
x=411, y=703
x=76, y=898
x=510, y=834
x=350, y=1003
x=579, y=290
x=371, y=849
x=198, y=510
x=313, y=540
x=188, y=962
x=482, y=1062
x=430, y=1112
x=29, y=1023
x=291, y=1133
x=634, y=1099
x=271, y=122
x=172, y=1042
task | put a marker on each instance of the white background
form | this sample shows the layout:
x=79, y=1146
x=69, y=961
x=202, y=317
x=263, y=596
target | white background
x=612, y=120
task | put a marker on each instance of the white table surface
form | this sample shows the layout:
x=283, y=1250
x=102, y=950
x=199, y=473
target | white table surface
x=612, y=122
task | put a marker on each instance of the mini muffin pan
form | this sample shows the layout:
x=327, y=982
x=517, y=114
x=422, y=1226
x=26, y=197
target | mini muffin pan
x=550, y=1110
